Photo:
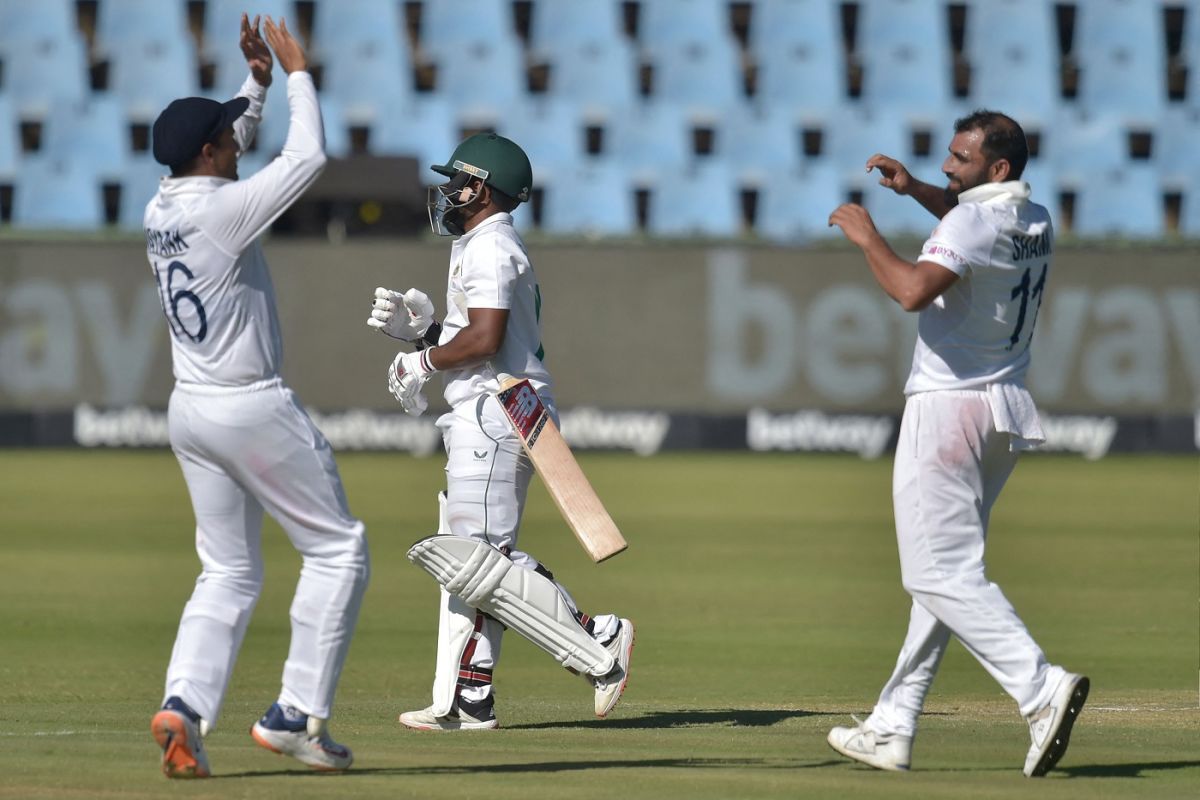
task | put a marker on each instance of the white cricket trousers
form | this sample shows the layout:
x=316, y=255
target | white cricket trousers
x=487, y=480
x=951, y=464
x=242, y=451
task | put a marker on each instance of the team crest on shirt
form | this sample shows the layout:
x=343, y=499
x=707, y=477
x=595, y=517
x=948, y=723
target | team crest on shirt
x=480, y=455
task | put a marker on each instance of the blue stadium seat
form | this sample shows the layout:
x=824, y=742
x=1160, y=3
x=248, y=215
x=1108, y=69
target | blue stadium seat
x=1043, y=184
x=664, y=23
x=223, y=19
x=1080, y=148
x=592, y=198
x=1191, y=51
x=797, y=45
x=652, y=141
x=759, y=146
x=1127, y=202
x=705, y=77
x=40, y=72
x=904, y=47
x=795, y=205
x=139, y=182
x=1012, y=48
x=28, y=22
x=57, y=194
x=561, y=29
x=368, y=78
x=350, y=23
x=552, y=135
x=702, y=201
x=1175, y=149
x=10, y=141
x=172, y=65
x=601, y=78
x=1120, y=46
x=484, y=101
x=126, y=21
x=1189, y=214
x=446, y=27
x=428, y=131
x=854, y=135
x=95, y=131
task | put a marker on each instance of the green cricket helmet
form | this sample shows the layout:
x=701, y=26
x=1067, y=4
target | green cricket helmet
x=497, y=161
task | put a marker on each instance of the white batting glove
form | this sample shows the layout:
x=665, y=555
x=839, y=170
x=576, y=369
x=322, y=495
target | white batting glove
x=406, y=377
x=402, y=316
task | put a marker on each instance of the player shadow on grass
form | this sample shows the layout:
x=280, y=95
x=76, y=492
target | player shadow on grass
x=751, y=718
x=1124, y=770
x=545, y=766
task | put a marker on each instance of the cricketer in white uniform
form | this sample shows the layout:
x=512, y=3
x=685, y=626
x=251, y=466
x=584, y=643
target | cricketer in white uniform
x=242, y=439
x=978, y=284
x=492, y=326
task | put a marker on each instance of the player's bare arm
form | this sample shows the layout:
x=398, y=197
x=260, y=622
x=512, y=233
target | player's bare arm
x=474, y=344
x=913, y=286
x=254, y=48
x=287, y=49
x=895, y=176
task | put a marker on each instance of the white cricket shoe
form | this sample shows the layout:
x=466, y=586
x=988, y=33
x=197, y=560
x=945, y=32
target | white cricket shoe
x=459, y=719
x=1050, y=726
x=891, y=752
x=290, y=732
x=176, y=728
x=610, y=687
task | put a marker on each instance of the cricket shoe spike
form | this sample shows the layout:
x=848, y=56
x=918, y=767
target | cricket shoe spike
x=1050, y=726
x=891, y=752
x=288, y=731
x=464, y=716
x=176, y=728
x=611, y=686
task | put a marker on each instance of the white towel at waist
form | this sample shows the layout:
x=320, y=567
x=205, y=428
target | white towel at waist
x=1014, y=412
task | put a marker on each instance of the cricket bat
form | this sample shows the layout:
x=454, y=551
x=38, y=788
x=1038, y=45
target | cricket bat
x=561, y=475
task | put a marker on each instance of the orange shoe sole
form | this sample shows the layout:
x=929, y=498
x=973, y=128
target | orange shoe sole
x=172, y=736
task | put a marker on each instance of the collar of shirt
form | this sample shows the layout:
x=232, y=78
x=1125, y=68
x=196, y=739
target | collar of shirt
x=191, y=183
x=494, y=219
x=1006, y=192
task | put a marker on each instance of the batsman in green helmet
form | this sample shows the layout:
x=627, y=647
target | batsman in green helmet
x=492, y=327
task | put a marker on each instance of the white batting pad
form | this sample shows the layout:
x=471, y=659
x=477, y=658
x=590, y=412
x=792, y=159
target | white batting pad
x=456, y=623
x=484, y=578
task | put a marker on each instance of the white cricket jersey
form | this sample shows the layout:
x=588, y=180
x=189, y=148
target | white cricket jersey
x=489, y=268
x=202, y=242
x=978, y=332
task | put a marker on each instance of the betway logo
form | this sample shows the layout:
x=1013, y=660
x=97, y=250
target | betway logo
x=1089, y=436
x=640, y=431
x=356, y=429
x=809, y=431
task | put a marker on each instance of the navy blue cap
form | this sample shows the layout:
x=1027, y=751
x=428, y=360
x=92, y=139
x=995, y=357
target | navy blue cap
x=185, y=126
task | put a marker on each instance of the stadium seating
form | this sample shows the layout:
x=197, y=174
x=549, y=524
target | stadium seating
x=591, y=198
x=759, y=146
x=41, y=72
x=667, y=23
x=94, y=131
x=561, y=29
x=705, y=78
x=1175, y=149
x=428, y=131
x=1013, y=53
x=599, y=77
x=1082, y=147
x=651, y=141
x=701, y=201
x=905, y=56
x=1191, y=51
x=1120, y=47
x=121, y=23
x=797, y=48
x=174, y=68
x=1126, y=202
x=449, y=27
x=222, y=20
x=10, y=147
x=139, y=182
x=794, y=206
x=57, y=193
x=44, y=20
x=552, y=135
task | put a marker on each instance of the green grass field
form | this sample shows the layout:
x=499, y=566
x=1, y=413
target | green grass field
x=767, y=599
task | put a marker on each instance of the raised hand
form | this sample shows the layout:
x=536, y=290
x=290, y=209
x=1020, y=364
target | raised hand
x=287, y=48
x=893, y=174
x=856, y=224
x=258, y=55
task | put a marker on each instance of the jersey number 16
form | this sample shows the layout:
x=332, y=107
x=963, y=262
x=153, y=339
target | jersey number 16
x=170, y=298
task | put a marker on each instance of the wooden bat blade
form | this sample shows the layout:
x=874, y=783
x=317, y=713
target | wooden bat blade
x=564, y=480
